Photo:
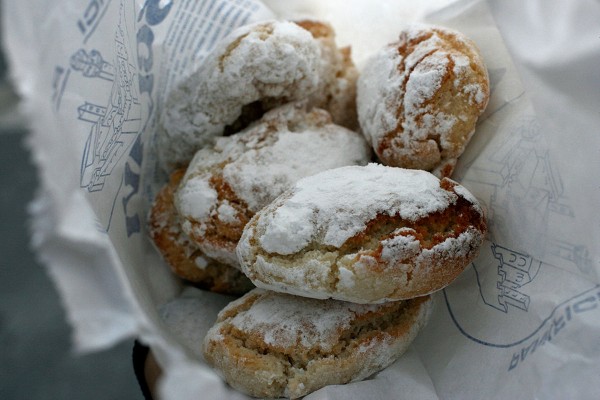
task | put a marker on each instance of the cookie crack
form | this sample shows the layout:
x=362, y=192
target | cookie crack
x=400, y=115
x=429, y=231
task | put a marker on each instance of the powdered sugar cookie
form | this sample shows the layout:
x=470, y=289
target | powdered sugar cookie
x=363, y=234
x=269, y=344
x=419, y=99
x=256, y=68
x=181, y=254
x=227, y=183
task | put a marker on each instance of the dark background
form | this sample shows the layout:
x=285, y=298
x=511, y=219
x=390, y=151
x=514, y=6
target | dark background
x=36, y=361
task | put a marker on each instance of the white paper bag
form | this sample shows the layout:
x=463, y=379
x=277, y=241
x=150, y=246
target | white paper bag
x=521, y=322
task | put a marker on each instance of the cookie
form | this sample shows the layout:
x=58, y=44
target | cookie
x=181, y=254
x=365, y=234
x=419, y=99
x=256, y=68
x=269, y=344
x=228, y=182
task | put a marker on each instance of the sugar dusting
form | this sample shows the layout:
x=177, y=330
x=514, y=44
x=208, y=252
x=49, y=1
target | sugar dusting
x=422, y=85
x=260, y=175
x=227, y=213
x=379, y=81
x=275, y=60
x=399, y=96
x=193, y=199
x=285, y=321
x=338, y=203
x=266, y=159
x=402, y=246
x=381, y=94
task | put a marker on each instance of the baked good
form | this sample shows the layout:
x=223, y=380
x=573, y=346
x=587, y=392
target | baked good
x=275, y=61
x=256, y=68
x=269, y=344
x=419, y=98
x=181, y=254
x=228, y=182
x=365, y=234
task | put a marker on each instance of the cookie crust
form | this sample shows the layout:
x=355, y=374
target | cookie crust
x=227, y=183
x=419, y=99
x=181, y=254
x=269, y=344
x=364, y=234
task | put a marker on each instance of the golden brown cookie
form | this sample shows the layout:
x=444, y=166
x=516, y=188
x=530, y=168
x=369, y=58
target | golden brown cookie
x=254, y=69
x=181, y=254
x=227, y=183
x=269, y=344
x=363, y=234
x=419, y=99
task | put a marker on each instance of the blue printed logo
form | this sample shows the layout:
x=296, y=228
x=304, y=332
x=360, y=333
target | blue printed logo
x=113, y=125
x=118, y=89
x=91, y=17
x=153, y=14
x=515, y=270
x=513, y=291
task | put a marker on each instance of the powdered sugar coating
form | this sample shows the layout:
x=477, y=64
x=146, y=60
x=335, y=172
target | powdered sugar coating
x=401, y=246
x=378, y=88
x=269, y=60
x=363, y=234
x=288, y=321
x=194, y=198
x=261, y=174
x=268, y=344
x=419, y=98
x=180, y=253
x=338, y=203
x=257, y=165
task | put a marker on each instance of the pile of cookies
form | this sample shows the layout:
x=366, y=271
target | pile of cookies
x=320, y=196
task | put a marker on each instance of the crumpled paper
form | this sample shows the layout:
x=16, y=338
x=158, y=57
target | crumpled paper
x=521, y=322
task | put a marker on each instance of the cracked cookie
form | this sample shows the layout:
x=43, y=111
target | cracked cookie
x=181, y=254
x=419, y=99
x=228, y=182
x=256, y=68
x=269, y=344
x=365, y=234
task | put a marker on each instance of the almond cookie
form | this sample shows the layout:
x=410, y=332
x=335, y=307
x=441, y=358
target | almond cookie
x=256, y=68
x=227, y=183
x=363, y=234
x=419, y=99
x=181, y=254
x=269, y=344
